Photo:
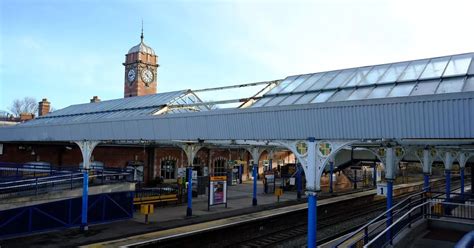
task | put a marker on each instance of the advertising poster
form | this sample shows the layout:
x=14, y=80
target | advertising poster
x=218, y=190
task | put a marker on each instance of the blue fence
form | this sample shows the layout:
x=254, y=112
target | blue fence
x=47, y=184
x=15, y=171
x=103, y=208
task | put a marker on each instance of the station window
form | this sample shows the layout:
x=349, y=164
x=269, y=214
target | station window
x=220, y=167
x=168, y=169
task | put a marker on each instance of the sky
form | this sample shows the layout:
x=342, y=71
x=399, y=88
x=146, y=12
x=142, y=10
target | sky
x=70, y=50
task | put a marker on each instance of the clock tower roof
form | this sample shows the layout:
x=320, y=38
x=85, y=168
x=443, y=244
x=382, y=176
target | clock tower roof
x=142, y=47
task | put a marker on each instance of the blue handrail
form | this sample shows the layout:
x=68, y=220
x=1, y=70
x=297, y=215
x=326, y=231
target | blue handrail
x=466, y=241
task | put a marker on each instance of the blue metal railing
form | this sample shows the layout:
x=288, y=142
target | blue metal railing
x=466, y=241
x=432, y=209
x=373, y=228
x=13, y=171
x=39, y=185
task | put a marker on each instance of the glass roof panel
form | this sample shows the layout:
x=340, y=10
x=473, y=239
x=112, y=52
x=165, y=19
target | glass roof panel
x=471, y=68
x=340, y=79
x=290, y=99
x=306, y=98
x=393, y=73
x=458, y=65
x=413, y=70
x=291, y=86
x=324, y=96
x=309, y=82
x=469, y=86
x=261, y=102
x=380, y=91
x=275, y=101
x=326, y=78
x=359, y=76
x=282, y=85
x=360, y=93
x=373, y=76
x=401, y=90
x=425, y=88
x=435, y=68
x=341, y=95
x=450, y=85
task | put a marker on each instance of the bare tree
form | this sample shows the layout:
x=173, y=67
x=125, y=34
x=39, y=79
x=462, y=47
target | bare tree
x=25, y=105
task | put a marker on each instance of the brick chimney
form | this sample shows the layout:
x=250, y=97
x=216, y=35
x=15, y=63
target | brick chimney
x=95, y=99
x=26, y=116
x=43, y=107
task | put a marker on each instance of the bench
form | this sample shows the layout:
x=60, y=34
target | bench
x=155, y=199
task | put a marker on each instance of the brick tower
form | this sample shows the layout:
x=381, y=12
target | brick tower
x=141, y=65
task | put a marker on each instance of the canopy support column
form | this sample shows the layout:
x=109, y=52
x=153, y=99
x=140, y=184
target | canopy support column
x=313, y=162
x=312, y=193
x=299, y=181
x=463, y=157
x=87, y=147
x=191, y=151
x=427, y=163
x=331, y=171
x=426, y=157
x=390, y=177
x=270, y=159
x=375, y=174
x=255, y=152
x=448, y=165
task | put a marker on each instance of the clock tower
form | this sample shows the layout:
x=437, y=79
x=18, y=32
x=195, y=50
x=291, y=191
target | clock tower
x=141, y=65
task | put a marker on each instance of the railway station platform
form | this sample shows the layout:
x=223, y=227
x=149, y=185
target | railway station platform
x=170, y=220
x=236, y=220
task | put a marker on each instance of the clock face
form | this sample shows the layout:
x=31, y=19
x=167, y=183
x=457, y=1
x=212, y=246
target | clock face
x=147, y=76
x=131, y=75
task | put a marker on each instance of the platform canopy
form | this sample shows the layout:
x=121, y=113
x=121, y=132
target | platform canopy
x=427, y=99
x=410, y=78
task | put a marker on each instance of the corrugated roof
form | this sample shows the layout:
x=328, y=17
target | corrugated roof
x=439, y=116
x=438, y=75
x=117, y=108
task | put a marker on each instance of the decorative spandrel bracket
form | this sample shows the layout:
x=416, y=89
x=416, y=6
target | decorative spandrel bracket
x=87, y=147
x=390, y=157
x=190, y=150
x=314, y=156
x=426, y=156
x=463, y=157
x=447, y=156
x=271, y=153
x=255, y=152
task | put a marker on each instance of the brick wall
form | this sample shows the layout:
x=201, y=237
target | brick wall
x=116, y=156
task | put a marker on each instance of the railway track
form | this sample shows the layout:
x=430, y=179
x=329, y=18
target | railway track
x=329, y=227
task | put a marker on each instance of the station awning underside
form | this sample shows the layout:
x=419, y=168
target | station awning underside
x=422, y=99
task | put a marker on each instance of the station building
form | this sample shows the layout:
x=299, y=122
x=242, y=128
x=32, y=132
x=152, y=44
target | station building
x=393, y=82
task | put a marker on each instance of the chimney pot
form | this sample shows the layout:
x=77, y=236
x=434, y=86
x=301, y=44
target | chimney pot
x=95, y=99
